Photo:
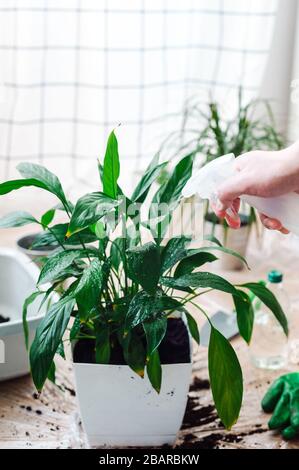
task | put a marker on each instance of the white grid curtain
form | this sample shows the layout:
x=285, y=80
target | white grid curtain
x=73, y=69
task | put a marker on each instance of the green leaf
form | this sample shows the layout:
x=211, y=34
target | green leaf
x=61, y=207
x=99, y=230
x=154, y=162
x=201, y=279
x=174, y=251
x=47, y=217
x=58, y=234
x=75, y=329
x=103, y=347
x=28, y=301
x=13, y=185
x=46, y=296
x=171, y=191
x=169, y=196
x=17, y=219
x=46, y=179
x=154, y=332
x=268, y=298
x=89, y=209
x=188, y=264
x=144, y=307
x=57, y=264
x=111, y=168
x=119, y=190
x=144, y=266
x=142, y=189
x=60, y=350
x=213, y=239
x=48, y=336
x=133, y=236
x=117, y=253
x=52, y=373
x=193, y=328
x=134, y=353
x=227, y=251
x=154, y=371
x=226, y=378
x=245, y=315
x=89, y=288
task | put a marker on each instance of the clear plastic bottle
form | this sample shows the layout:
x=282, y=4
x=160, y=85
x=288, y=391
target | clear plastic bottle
x=269, y=345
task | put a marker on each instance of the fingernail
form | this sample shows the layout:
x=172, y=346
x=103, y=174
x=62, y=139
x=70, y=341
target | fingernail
x=232, y=213
x=272, y=224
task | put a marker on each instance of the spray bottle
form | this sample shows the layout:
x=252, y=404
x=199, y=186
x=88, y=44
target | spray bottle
x=208, y=178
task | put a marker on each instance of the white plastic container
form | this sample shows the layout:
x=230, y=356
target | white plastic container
x=18, y=276
x=119, y=409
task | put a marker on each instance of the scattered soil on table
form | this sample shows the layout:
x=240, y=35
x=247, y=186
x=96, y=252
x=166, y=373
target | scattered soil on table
x=174, y=349
x=199, y=384
x=4, y=319
x=211, y=441
x=196, y=415
x=70, y=390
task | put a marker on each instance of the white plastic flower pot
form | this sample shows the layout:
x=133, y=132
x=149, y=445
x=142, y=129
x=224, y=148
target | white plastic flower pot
x=18, y=276
x=120, y=409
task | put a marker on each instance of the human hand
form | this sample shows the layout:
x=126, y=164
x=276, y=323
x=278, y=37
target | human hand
x=259, y=173
x=283, y=399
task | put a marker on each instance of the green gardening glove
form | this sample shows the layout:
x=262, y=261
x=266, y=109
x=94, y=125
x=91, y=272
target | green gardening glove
x=283, y=399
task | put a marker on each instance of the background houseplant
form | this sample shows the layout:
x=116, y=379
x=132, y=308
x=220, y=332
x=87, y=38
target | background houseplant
x=207, y=132
x=123, y=291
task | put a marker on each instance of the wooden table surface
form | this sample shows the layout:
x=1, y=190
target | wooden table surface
x=52, y=420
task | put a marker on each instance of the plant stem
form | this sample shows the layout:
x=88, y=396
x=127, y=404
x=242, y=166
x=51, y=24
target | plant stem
x=196, y=295
x=201, y=310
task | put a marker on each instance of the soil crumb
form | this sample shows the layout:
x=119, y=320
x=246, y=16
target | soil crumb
x=199, y=384
x=70, y=390
x=4, y=319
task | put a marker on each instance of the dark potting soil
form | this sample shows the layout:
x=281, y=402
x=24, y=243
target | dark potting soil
x=4, y=319
x=174, y=349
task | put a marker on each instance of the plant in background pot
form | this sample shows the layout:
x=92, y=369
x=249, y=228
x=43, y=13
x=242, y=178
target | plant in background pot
x=44, y=243
x=207, y=133
x=127, y=308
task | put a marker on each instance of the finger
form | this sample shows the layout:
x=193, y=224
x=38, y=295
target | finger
x=272, y=396
x=290, y=432
x=232, y=218
x=270, y=223
x=236, y=204
x=281, y=415
x=231, y=190
x=230, y=214
x=284, y=230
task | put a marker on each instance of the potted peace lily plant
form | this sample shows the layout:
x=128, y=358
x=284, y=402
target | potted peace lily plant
x=207, y=133
x=126, y=306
